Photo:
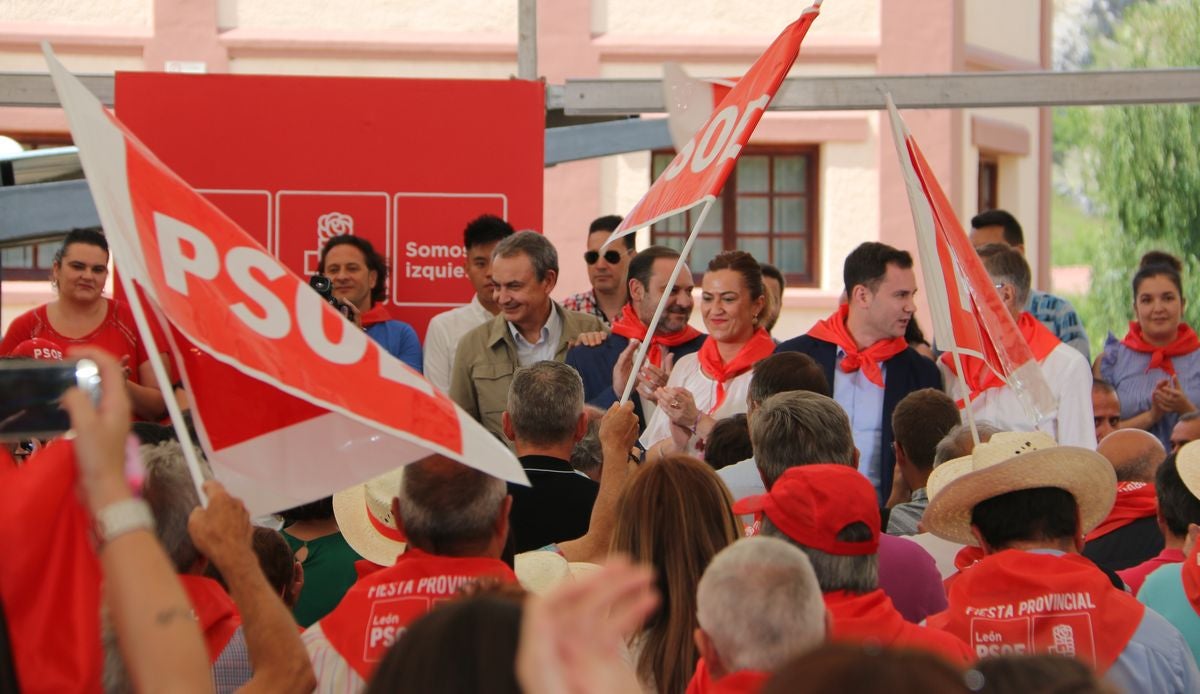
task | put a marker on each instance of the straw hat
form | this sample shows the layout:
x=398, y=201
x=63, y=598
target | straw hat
x=946, y=473
x=539, y=571
x=1012, y=461
x=1187, y=461
x=364, y=515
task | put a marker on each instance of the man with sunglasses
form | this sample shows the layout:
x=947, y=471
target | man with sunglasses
x=606, y=272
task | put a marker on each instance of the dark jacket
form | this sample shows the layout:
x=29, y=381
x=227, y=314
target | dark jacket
x=906, y=372
x=595, y=367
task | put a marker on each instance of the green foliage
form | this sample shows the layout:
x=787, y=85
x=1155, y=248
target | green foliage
x=1142, y=165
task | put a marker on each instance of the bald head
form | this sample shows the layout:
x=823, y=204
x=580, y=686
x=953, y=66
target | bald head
x=1135, y=454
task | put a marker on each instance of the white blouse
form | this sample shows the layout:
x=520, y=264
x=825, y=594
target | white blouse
x=687, y=374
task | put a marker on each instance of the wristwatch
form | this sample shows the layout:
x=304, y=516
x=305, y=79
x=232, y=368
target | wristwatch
x=122, y=517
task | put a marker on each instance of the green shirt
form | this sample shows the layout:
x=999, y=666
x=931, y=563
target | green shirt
x=328, y=574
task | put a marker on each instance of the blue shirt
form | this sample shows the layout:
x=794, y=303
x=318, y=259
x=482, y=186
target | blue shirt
x=1126, y=370
x=1059, y=316
x=1163, y=592
x=400, y=340
x=863, y=402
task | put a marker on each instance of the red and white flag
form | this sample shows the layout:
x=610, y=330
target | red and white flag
x=969, y=317
x=690, y=101
x=291, y=401
x=697, y=173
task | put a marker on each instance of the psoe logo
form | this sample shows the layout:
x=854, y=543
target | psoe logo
x=1064, y=641
x=329, y=225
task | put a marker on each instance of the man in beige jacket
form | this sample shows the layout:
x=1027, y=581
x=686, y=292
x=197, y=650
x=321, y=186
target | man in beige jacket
x=530, y=327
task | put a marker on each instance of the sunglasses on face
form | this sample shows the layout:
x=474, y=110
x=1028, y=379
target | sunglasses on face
x=610, y=257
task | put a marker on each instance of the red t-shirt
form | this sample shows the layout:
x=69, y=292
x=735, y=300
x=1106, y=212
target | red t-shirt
x=117, y=334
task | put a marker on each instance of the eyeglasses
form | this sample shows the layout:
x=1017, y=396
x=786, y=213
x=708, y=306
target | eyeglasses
x=610, y=257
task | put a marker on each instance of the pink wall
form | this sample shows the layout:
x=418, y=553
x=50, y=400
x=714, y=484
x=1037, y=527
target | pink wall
x=572, y=191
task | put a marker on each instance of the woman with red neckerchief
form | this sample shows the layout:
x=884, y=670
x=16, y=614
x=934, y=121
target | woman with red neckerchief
x=1156, y=367
x=712, y=384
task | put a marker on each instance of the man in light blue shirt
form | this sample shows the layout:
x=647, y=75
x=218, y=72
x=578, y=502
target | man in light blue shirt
x=1054, y=312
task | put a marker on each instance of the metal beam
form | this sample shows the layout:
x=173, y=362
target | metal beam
x=36, y=89
x=844, y=93
x=955, y=90
x=575, y=142
x=38, y=210
x=527, y=50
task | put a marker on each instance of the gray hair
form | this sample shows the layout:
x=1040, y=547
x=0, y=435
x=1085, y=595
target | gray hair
x=541, y=252
x=1006, y=265
x=588, y=455
x=171, y=494
x=958, y=442
x=760, y=603
x=545, y=401
x=799, y=428
x=445, y=504
x=854, y=574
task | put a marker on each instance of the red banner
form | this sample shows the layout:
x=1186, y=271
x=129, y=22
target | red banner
x=404, y=164
x=292, y=402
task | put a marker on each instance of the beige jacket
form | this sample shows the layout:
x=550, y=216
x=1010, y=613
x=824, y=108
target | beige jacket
x=487, y=357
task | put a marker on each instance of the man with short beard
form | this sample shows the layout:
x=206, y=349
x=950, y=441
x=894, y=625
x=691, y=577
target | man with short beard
x=607, y=367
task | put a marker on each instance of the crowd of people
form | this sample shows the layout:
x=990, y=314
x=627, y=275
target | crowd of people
x=845, y=509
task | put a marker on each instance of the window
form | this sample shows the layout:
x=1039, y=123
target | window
x=989, y=181
x=768, y=208
x=31, y=262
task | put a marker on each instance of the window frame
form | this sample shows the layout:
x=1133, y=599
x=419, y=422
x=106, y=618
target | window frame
x=729, y=196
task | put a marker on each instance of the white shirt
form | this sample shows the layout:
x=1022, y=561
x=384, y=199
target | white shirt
x=1070, y=380
x=445, y=331
x=546, y=347
x=334, y=674
x=942, y=551
x=743, y=479
x=687, y=374
x=863, y=403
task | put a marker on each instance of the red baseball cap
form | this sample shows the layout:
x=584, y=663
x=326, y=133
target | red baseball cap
x=38, y=348
x=811, y=504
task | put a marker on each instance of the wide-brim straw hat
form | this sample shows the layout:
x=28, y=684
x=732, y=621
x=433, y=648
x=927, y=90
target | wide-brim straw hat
x=1187, y=462
x=540, y=571
x=1013, y=461
x=364, y=515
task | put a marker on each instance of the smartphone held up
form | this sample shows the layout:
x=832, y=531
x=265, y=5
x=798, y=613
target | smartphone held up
x=31, y=394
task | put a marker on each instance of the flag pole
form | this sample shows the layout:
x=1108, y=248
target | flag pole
x=966, y=395
x=164, y=385
x=662, y=303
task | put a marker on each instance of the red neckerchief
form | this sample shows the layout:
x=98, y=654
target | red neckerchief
x=740, y=682
x=758, y=347
x=965, y=558
x=376, y=314
x=872, y=618
x=1135, y=500
x=1026, y=603
x=630, y=326
x=1191, y=578
x=980, y=376
x=214, y=610
x=833, y=329
x=379, y=607
x=1160, y=357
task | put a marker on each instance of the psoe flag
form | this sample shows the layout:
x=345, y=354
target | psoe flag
x=697, y=173
x=291, y=401
x=969, y=317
